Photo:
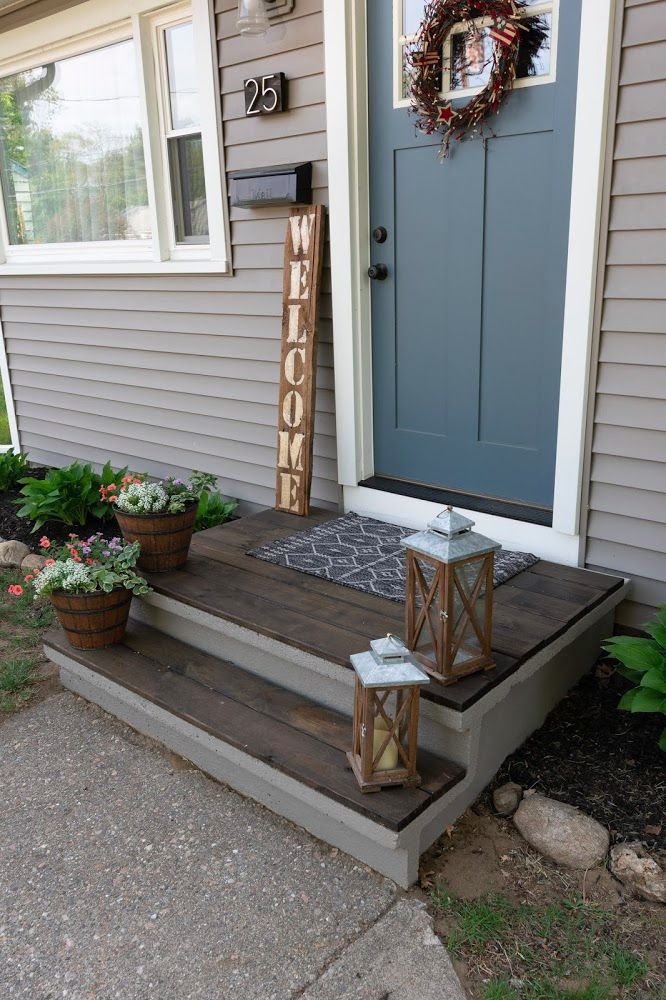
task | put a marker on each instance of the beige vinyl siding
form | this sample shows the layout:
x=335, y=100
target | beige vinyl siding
x=180, y=372
x=626, y=524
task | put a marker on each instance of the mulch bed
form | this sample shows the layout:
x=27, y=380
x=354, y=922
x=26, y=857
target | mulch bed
x=12, y=526
x=606, y=762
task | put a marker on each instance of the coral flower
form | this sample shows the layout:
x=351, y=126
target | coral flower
x=28, y=578
x=50, y=562
x=44, y=542
x=16, y=589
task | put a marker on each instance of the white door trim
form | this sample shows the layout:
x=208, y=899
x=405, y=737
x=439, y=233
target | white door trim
x=9, y=397
x=348, y=166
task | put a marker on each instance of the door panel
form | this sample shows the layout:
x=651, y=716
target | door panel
x=467, y=328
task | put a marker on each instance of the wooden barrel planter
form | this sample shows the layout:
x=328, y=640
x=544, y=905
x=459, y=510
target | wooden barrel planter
x=165, y=538
x=93, y=621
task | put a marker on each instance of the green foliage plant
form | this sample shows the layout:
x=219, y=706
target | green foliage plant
x=12, y=467
x=643, y=662
x=70, y=495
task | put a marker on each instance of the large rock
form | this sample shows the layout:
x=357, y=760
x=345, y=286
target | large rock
x=12, y=554
x=633, y=866
x=561, y=832
x=506, y=798
x=32, y=562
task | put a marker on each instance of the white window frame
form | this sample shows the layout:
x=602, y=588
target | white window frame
x=400, y=40
x=101, y=22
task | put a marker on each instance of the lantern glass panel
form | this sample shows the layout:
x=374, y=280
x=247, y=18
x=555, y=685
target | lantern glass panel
x=468, y=579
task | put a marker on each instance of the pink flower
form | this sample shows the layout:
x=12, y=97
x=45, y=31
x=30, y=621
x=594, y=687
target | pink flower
x=16, y=589
x=28, y=578
x=44, y=542
x=50, y=562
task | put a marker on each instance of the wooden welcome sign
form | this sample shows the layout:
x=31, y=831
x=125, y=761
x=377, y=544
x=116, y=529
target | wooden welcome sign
x=303, y=256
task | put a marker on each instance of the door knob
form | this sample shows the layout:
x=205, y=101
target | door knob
x=378, y=272
x=379, y=234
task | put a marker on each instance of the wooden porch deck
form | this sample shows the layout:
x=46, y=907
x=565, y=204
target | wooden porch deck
x=331, y=621
x=243, y=667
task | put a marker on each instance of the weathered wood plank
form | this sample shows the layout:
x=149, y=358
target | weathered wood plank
x=143, y=664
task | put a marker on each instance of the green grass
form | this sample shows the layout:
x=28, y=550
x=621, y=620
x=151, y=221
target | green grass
x=566, y=950
x=5, y=437
x=22, y=622
x=17, y=676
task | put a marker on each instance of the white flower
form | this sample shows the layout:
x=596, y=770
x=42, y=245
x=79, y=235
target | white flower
x=143, y=498
x=69, y=576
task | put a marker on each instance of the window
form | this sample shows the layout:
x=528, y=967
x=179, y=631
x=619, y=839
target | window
x=110, y=157
x=467, y=55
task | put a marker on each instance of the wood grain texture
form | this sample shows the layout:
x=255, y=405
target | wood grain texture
x=303, y=260
x=290, y=733
x=331, y=621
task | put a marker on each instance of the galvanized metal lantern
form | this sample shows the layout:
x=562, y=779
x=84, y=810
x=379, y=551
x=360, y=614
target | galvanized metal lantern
x=386, y=715
x=449, y=597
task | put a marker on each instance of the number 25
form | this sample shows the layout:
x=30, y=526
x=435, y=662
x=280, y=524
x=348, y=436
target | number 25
x=265, y=90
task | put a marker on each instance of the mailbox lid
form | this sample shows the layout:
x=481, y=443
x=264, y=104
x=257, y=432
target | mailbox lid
x=288, y=184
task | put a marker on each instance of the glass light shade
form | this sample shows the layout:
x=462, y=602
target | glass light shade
x=252, y=17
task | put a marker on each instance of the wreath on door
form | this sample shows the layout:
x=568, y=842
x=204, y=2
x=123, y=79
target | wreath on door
x=516, y=41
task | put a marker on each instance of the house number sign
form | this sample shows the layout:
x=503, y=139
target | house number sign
x=265, y=95
x=303, y=256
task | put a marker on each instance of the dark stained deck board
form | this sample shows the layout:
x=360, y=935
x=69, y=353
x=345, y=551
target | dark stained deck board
x=331, y=621
x=289, y=732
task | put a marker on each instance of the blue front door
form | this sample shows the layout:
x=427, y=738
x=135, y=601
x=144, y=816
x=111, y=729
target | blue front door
x=467, y=325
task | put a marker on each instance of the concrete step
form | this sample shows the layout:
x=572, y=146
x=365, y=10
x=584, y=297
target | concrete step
x=283, y=749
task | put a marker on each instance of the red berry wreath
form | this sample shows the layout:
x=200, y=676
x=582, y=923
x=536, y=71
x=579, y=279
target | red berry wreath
x=516, y=42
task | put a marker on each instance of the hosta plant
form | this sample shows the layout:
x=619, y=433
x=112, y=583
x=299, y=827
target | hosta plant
x=70, y=495
x=86, y=566
x=643, y=662
x=12, y=467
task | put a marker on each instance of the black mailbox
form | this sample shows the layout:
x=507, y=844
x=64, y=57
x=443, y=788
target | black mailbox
x=290, y=184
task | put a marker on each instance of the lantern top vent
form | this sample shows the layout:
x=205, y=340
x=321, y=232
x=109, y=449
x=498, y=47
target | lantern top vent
x=449, y=523
x=388, y=663
x=449, y=538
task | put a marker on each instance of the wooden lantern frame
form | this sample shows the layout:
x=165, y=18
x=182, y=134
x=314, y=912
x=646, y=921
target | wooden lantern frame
x=387, y=670
x=369, y=704
x=437, y=614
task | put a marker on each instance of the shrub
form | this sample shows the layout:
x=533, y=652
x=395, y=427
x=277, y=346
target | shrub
x=70, y=495
x=12, y=467
x=643, y=662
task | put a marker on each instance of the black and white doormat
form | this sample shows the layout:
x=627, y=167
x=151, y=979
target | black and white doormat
x=365, y=554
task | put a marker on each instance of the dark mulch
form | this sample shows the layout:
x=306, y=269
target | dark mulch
x=606, y=762
x=12, y=526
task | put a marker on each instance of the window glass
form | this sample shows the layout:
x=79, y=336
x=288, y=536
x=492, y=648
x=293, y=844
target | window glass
x=182, y=73
x=412, y=15
x=471, y=58
x=189, y=189
x=71, y=150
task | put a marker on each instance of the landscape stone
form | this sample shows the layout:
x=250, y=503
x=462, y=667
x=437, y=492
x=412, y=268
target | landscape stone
x=506, y=798
x=33, y=561
x=561, y=832
x=638, y=871
x=12, y=554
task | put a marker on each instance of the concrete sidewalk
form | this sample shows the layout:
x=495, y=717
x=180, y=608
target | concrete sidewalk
x=125, y=874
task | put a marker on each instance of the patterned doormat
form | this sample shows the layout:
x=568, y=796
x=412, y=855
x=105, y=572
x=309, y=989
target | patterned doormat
x=364, y=554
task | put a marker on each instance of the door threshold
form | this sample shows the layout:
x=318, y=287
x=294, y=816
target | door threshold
x=470, y=501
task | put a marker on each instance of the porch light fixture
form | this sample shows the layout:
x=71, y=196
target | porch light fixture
x=252, y=17
x=449, y=598
x=386, y=715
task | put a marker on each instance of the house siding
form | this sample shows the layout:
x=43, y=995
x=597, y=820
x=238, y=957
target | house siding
x=171, y=373
x=626, y=521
